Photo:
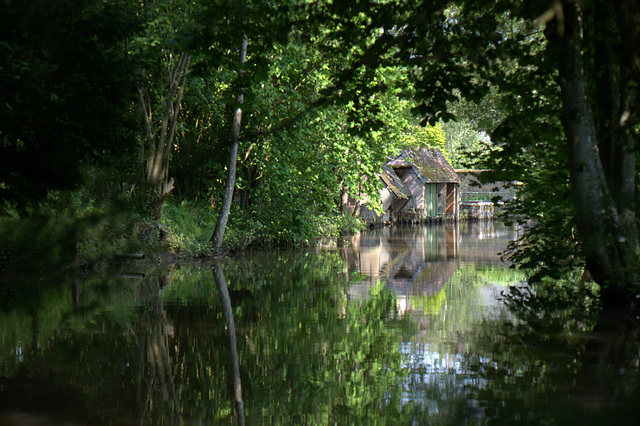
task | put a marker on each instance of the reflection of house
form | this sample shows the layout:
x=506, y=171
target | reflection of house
x=417, y=263
x=427, y=280
x=431, y=180
x=411, y=261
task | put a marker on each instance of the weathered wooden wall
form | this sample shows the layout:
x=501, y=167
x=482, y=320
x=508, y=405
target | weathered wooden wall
x=413, y=183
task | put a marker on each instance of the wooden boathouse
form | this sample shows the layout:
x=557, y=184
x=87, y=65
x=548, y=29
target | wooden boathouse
x=432, y=182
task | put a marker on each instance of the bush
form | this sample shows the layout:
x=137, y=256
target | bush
x=190, y=226
x=68, y=232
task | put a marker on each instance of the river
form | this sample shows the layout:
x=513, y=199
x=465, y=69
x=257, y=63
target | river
x=401, y=325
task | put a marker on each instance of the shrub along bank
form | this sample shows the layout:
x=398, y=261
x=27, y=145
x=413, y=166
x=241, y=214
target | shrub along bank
x=87, y=235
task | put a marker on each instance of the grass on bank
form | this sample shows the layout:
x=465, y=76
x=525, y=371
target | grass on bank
x=190, y=225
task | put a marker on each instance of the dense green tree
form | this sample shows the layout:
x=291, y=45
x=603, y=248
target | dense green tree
x=66, y=88
x=508, y=45
x=328, y=91
x=163, y=75
x=304, y=149
x=599, y=117
x=318, y=113
x=243, y=27
x=218, y=233
x=305, y=108
x=473, y=125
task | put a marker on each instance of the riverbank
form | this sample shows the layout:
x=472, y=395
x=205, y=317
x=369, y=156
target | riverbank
x=75, y=235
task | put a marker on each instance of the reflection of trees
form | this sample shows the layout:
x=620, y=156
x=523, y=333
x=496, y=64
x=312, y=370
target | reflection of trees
x=560, y=362
x=221, y=283
x=81, y=361
x=311, y=355
x=450, y=315
x=574, y=376
x=307, y=355
x=156, y=379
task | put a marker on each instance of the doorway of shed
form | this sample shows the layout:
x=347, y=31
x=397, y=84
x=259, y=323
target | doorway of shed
x=431, y=200
x=451, y=203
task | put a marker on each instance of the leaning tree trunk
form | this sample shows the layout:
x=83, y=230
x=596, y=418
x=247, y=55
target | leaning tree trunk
x=160, y=140
x=609, y=252
x=221, y=225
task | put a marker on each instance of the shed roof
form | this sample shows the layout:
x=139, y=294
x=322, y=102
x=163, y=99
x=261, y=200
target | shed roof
x=394, y=183
x=429, y=162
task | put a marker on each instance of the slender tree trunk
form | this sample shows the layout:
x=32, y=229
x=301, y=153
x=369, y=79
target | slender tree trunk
x=233, y=345
x=609, y=252
x=221, y=225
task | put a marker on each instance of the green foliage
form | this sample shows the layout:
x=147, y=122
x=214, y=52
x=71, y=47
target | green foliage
x=527, y=151
x=318, y=121
x=565, y=304
x=424, y=137
x=330, y=91
x=290, y=179
x=512, y=128
x=66, y=92
x=189, y=226
x=473, y=123
x=429, y=304
x=50, y=239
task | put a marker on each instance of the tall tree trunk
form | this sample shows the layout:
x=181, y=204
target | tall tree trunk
x=614, y=139
x=160, y=140
x=628, y=22
x=221, y=225
x=609, y=252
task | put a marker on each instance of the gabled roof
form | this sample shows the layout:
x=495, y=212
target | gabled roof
x=428, y=162
x=394, y=183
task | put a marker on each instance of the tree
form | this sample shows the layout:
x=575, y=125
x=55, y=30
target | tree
x=599, y=137
x=218, y=234
x=160, y=140
x=227, y=26
x=473, y=124
x=65, y=94
x=491, y=44
x=309, y=145
x=160, y=90
x=348, y=109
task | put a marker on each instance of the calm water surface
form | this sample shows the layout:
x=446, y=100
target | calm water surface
x=401, y=325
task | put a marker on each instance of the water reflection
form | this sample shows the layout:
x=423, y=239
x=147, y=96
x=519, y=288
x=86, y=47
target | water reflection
x=399, y=325
x=417, y=262
x=152, y=334
x=223, y=291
